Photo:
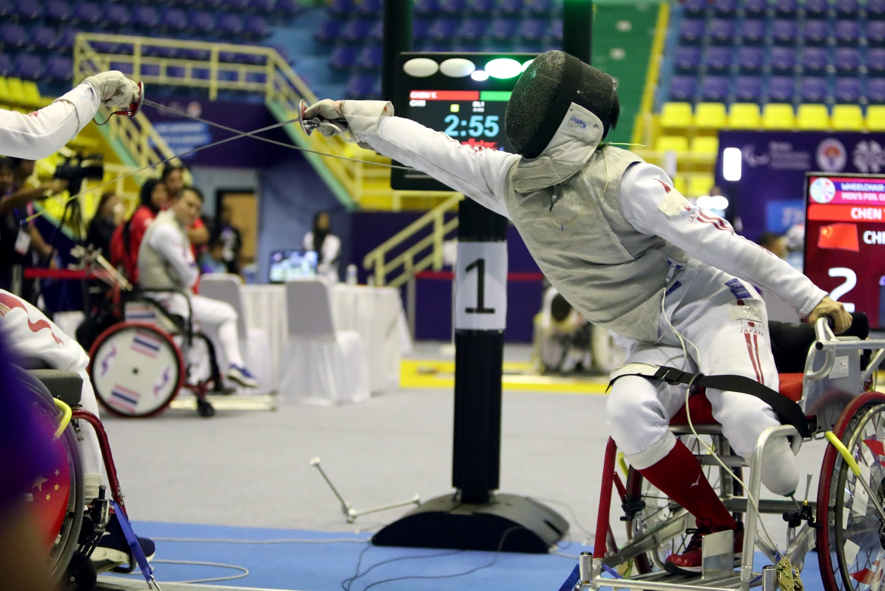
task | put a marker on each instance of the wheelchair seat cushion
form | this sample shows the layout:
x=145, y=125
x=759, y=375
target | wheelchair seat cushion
x=702, y=412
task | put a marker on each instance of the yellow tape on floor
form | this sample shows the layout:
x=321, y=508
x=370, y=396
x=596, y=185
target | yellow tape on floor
x=517, y=376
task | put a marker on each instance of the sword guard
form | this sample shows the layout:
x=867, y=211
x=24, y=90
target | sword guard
x=135, y=106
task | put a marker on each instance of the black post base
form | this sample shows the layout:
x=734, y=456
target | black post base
x=443, y=522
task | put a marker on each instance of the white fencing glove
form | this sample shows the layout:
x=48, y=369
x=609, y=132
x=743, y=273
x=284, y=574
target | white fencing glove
x=114, y=89
x=327, y=117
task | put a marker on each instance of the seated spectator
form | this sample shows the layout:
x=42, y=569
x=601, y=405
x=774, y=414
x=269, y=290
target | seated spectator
x=108, y=215
x=166, y=262
x=562, y=336
x=127, y=237
x=212, y=260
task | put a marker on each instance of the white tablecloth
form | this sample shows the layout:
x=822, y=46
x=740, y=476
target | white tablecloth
x=376, y=313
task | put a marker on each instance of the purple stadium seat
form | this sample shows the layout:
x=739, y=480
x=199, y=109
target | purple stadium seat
x=816, y=8
x=816, y=32
x=876, y=33
x=201, y=22
x=510, y=7
x=356, y=30
x=66, y=39
x=287, y=7
x=124, y=67
x=539, y=7
x=556, y=30
x=748, y=89
x=29, y=10
x=236, y=5
x=755, y=8
x=44, y=38
x=691, y=30
x=481, y=6
x=750, y=59
x=720, y=30
x=784, y=31
x=420, y=26
x=173, y=20
x=256, y=27
x=718, y=58
x=473, y=28
x=12, y=36
x=725, y=7
x=116, y=15
x=201, y=73
x=876, y=91
x=230, y=25
x=453, y=6
x=781, y=89
x=876, y=62
x=146, y=17
x=87, y=13
x=371, y=57
x=6, y=7
x=752, y=31
x=376, y=33
x=29, y=67
x=5, y=65
x=343, y=56
x=785, y=8
x=256, y=77
x=688, y=59
x=815, y=61
x=59, y=67
x=370, y=7
x=195, y=54
x=875, y=9
x=363, y=86
x=814, y=90
x=58, y=10
x=426, y=6
x=694, y=7
x=846, y=8
x=782, y=59
x=442, y=29
x=340, y=7
x=329, y=31
x=532, y=29
x=262, y=6
x=847, y=32
x=714, y=88
x=502, y=28
x=683, y=88
x=104, y=46
x=847, y=90
x=847, y=59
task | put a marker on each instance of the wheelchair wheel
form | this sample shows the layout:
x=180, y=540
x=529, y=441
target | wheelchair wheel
x=654, y=509
x=57, y=496
x=136, y=369
x=851, y=541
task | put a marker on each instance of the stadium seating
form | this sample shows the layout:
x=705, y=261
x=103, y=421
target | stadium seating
x=847, y=118
x=778, y=116
x=710, y=116
x=675, y=116
x=744, y=116
x=705, y=144
x=875, y=120
x=672, y=143
x=812, y=117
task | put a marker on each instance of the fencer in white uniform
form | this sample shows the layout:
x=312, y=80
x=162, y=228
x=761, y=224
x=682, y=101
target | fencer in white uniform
x=31, y=335
x=39, y=134
x=631, y=254
x=166, y=261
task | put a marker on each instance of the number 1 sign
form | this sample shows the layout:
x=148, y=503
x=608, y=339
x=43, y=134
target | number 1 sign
x=481, y=286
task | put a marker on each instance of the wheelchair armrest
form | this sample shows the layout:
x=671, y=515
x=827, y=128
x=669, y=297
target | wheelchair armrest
x=64, y=385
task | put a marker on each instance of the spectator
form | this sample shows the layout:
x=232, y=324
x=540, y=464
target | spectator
x=108, y=215
x=212, y=260
x=231, y=240
x=326, y=244
x=127, y=237
x=562, y=336
x=166, y=261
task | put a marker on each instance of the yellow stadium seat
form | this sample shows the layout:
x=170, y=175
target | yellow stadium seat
x=778, y=116
x=876, y=118
x=813, y=117
x=744, y=116
x=847, y=118
x=16, y=91
x=4, y=91
x=675, y=143
x=676, y=116
x=700, y=184
x=710, y=116
x=679, y=184
x=705, y=145
x=31, y=94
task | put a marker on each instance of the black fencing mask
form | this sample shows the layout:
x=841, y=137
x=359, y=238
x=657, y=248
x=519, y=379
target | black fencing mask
x=543, y=94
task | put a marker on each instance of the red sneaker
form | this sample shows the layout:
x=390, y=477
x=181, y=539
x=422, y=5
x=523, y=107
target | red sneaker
x=690, y=561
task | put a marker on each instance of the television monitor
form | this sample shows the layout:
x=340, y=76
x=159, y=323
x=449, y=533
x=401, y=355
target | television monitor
x=292, y=264
x=845, y=240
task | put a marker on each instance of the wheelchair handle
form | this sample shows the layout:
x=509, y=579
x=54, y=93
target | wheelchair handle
x=65, y=417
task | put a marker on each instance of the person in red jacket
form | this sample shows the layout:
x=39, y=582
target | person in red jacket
x=128, y=236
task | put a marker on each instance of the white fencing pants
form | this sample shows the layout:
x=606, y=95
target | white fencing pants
x=209, y=312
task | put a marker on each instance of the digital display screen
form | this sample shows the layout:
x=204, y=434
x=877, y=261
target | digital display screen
x=292, y=264
x=845, y=240
x=475, y=118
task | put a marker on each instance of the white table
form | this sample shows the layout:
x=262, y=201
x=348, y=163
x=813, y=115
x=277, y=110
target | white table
x=376, y=313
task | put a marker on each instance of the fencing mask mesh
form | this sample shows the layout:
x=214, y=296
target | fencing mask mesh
x=543, y=94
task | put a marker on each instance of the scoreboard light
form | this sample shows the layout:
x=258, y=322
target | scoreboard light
x=480, y=75
x=504, y=68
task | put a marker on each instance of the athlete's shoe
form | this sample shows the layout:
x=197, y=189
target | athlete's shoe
x=690, y=561
x=113, y=550
x=241, y=376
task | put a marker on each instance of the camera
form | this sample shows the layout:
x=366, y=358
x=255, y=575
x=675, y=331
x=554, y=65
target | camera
x=75, y=169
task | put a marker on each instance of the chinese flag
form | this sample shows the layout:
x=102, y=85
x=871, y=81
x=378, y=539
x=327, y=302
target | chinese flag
x=51, y=490
x=839, y=236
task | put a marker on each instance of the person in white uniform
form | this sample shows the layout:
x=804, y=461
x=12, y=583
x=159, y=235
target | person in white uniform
x=39, y=134
x=166, y=261
x=632, y=255
x=326, y=244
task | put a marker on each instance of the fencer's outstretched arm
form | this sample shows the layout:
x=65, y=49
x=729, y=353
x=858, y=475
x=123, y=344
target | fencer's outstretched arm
x=478, y=173
x=47, y=130
x=653, y=206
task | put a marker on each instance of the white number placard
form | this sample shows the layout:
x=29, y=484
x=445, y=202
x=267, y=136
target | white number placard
x=481, y=286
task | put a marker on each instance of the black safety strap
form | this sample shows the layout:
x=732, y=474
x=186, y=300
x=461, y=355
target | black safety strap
x=789, y=412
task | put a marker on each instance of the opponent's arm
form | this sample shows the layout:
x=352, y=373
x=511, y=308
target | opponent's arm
x=480, y=174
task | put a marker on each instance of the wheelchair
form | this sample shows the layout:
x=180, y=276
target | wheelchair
x=846, y=522
x=139, y=365
x=70, y=525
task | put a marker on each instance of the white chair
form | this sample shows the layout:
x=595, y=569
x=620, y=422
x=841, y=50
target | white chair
x=254, y=342
x=321, y=365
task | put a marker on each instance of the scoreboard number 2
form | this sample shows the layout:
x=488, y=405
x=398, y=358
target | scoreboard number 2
x=850, y=282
